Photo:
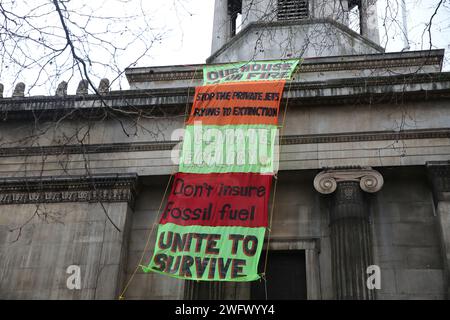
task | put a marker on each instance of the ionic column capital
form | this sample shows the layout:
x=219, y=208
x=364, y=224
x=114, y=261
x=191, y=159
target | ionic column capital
x=369, y=180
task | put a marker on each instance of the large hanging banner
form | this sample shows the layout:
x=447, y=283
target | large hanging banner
x=208, y=253
x=237, y=103
x=214, y=222
x=250, y=71
x=231, y=148
x=235, y=199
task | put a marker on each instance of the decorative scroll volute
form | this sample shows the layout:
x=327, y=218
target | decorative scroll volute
x=369, y=180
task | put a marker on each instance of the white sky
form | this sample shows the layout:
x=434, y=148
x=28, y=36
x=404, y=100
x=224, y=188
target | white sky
x=190, y=38
x=187, y=26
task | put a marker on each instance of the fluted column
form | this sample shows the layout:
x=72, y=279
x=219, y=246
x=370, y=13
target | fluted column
x=203, y=290
x=350, y=233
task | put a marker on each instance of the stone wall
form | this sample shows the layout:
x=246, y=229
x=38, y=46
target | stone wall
x=33, y=264
x=148, y=285
x=406, y=237
x=314, y=137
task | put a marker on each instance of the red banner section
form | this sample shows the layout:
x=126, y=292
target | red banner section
x=227, y=199
x=237, y=103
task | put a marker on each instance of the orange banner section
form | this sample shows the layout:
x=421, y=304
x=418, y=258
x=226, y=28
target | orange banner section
x=237, y=103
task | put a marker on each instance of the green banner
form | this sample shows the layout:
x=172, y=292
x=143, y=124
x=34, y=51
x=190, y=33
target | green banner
x=207, y=253
x=250, y=71
x=229, y=148
x=231, y=133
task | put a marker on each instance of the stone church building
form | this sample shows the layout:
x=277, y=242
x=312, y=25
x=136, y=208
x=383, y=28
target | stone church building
x=363, y=188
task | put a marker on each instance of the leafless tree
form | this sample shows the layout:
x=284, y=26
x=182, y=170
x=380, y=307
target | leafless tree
x=55, y=40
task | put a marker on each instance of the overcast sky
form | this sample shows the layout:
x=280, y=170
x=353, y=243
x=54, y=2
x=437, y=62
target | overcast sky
x=186, y=26
x=190, y=37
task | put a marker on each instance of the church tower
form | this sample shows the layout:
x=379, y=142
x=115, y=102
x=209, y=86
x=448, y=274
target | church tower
x=273, y=29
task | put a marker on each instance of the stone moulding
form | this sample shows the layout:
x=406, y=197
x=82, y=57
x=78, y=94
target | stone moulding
x=171, y=102
x=98, y=188
x=169, y=145
x=434, y=58
x=91, y=148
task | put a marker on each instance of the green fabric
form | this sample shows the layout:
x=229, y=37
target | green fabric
x=230, y=148
x=180, y=254
x=272, y=70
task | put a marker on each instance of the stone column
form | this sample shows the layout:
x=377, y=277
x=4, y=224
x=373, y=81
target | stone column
x=221, y=25
x=350, y=233
x=203, y=290
x=439, y=174
x=369, y=20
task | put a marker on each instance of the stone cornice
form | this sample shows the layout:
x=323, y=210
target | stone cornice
x=168, y=102
x=169, y=145
x=326, y=64
x=382, y=63
x=98, y=188
x=166, y=75
x=366, y=136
